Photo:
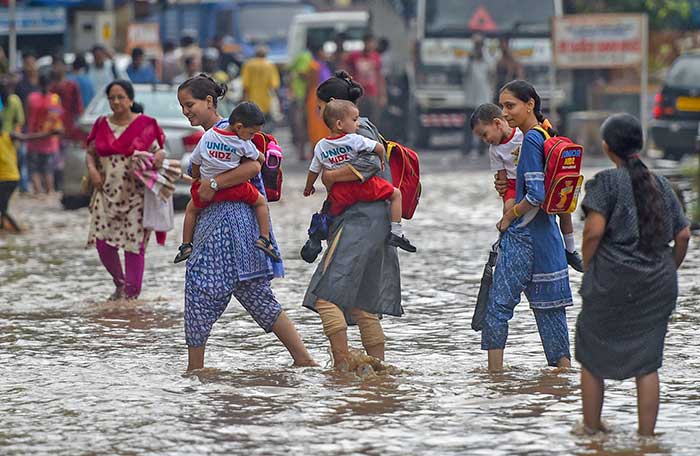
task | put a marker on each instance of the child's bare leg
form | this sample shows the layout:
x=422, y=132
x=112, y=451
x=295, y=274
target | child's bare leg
x=566, y=225
x=191, y=213
x=263, y=216
x=287, y=334
x=508, y=205
x=647, y=402
x=592, y=390
x=396, y=206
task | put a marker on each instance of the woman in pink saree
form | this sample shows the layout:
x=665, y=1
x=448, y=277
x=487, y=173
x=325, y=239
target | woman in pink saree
x=117, y=202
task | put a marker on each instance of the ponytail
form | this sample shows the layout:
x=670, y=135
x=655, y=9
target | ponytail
x=341, y=86
x=137, y=108
x=623, y=135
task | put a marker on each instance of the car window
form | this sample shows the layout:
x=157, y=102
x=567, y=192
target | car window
x=161, y=104
x=684, y=72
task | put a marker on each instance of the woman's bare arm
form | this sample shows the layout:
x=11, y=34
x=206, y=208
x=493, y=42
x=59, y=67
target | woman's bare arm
x=247, y=170
x=593, y=231
x=680, y=245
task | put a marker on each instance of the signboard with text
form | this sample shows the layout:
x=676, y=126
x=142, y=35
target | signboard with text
x=598, y=40
x=35, y=21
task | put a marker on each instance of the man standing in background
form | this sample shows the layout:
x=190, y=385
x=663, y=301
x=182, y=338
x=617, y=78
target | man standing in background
x=478, y=89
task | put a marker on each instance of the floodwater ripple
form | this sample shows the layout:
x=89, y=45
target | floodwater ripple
x=81, y=376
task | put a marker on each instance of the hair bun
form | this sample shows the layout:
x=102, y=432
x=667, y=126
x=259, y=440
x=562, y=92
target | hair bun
x=137, y=108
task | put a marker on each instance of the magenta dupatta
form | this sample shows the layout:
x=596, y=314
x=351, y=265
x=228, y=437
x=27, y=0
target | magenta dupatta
x=139, y=135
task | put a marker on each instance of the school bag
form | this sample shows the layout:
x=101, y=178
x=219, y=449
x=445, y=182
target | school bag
x=562, y=173
x=405, y=174
x=272, y=168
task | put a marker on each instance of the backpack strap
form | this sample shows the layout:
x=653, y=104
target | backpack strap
x=542, y=131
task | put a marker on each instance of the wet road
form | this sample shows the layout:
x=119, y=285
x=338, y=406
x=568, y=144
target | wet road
x=83, y=377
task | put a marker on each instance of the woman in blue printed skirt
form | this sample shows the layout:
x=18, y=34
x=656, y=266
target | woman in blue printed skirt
x=531, y=257
x=224, y=262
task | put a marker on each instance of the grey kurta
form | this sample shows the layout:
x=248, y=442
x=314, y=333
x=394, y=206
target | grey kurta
x=358, y=268
x=628, y=295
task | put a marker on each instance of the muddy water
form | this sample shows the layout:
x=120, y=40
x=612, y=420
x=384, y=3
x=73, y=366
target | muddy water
x=83, y=377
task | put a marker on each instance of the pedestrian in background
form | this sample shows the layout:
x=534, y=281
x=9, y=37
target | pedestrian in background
x=261, y=79
x=27, y=84
x=103, y=70
x=630, y=286
x=71, y=109
x=171, y=63
x=140, y=71
x=116, y=207
x=317, y=73
x=44, y=116
x=507, y=68
x=191, y=70
x=297, y=89
x=366, y=68
x=478, y=89
x=79, y=75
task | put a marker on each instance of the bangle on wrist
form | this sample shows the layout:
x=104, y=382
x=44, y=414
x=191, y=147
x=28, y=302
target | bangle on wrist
x=515, y=211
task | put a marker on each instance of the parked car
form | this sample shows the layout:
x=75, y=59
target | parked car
x=676, y=110
x=160, y=102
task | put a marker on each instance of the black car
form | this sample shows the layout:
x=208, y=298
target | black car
x=676, y=111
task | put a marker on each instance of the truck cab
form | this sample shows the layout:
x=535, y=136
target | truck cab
x=443, y=45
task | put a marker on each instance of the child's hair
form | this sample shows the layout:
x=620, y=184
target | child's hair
x=486, y=113
x=337, y=110
x=524, y=91
x=624, y=137
x=203, y=85
x=248, y=114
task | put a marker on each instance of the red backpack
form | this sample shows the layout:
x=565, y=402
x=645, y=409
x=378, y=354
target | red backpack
x=272, y=168
x=562, y=173
x=405, y=172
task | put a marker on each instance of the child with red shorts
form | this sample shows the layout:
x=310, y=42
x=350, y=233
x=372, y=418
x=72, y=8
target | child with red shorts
x=344, y=144
x=504, y=142
x=220, y=150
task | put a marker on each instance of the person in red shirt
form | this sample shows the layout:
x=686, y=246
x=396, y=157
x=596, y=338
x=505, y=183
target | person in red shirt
x=366, y=68
x=44, y=113
x=71, y=100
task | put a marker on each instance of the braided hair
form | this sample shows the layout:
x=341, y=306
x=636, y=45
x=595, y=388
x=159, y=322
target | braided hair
x=524, y=91
x=203, y=85
x=340, y=86
x=623, y=135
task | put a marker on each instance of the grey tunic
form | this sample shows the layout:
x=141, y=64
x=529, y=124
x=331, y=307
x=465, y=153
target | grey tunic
x=358, y=268
x=628, y=295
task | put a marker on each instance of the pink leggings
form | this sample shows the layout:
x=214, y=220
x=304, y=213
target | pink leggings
x=134, y=267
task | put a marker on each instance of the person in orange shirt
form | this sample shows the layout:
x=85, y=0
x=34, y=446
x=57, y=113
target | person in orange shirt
x=260, y=81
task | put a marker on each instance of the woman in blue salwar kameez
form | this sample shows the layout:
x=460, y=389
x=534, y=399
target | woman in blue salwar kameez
x=531, y=256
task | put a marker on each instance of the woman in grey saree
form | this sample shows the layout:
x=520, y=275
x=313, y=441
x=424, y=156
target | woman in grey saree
x=358, y=279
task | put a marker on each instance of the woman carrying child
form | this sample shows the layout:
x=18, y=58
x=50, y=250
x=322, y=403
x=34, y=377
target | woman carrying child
x=531, y=257
x=358, y=279
x=630, y=283
x=224, y=260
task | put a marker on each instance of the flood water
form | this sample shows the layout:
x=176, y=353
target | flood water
x=81, y=376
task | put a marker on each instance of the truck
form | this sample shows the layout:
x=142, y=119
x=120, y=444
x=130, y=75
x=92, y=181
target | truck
x=443, y=44
x=250, y=23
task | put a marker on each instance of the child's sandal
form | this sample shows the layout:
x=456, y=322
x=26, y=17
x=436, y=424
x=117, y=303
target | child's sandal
x=185, y=250
x=265, y=245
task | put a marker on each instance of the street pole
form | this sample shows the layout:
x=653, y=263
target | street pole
x=12, y=10
x=644, y=89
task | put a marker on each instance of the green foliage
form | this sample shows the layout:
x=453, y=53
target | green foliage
x=663, y=14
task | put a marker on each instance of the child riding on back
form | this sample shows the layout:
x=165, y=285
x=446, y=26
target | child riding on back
x=504, y=142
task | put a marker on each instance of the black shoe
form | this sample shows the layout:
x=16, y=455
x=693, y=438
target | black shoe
x=575, y=261
x=185, y=250
x=311, y=249
x=401, y=242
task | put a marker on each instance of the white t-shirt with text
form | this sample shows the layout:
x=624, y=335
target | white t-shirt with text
x=219, y=151
x=332, y=153
x=505, y=155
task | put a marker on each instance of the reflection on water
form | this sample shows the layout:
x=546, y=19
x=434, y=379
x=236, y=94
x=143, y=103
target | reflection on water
x=82, y=375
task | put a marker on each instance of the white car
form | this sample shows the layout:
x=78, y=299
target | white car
x=159, y=101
